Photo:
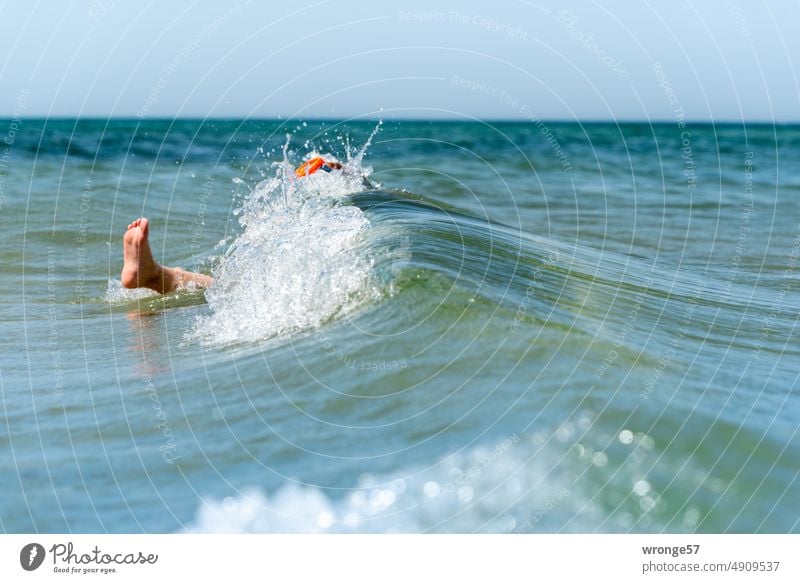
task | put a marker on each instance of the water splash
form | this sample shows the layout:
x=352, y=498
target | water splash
x=116, y=294
x=297, y=262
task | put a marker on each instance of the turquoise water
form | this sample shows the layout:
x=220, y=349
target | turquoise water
x=510, y=327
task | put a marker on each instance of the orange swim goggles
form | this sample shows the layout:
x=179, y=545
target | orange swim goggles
x=310, y=166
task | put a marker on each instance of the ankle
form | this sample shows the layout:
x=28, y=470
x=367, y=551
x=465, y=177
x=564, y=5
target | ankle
x=170, y=279
x=158, y=279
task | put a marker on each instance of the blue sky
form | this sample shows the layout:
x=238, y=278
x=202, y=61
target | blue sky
x=509, y=59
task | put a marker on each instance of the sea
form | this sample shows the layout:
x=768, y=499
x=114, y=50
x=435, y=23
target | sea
x=503, y=327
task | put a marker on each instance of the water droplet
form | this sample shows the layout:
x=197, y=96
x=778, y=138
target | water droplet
x=646, y=504
x=625, y=520
x=431, y=489
x=641, y=488
x=564, y=432
x=380, y=499
x=626, y=437
x=691, y=518
x=455, y=472
x=358, y=498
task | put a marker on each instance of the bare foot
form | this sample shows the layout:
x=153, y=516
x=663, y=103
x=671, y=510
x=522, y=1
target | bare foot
x=141, y=270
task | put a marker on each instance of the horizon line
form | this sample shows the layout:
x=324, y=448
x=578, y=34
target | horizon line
x=555, y=120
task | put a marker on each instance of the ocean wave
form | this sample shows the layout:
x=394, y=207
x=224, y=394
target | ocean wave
x=567, y=480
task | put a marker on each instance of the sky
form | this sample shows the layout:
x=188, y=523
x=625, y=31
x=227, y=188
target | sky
x=507, y=59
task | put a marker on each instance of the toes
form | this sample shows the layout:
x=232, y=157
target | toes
x=139, y=223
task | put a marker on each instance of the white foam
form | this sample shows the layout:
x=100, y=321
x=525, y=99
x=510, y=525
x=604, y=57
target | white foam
x=489, y=489
x=297, y=262
x=528, y=483
x=115, y=293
